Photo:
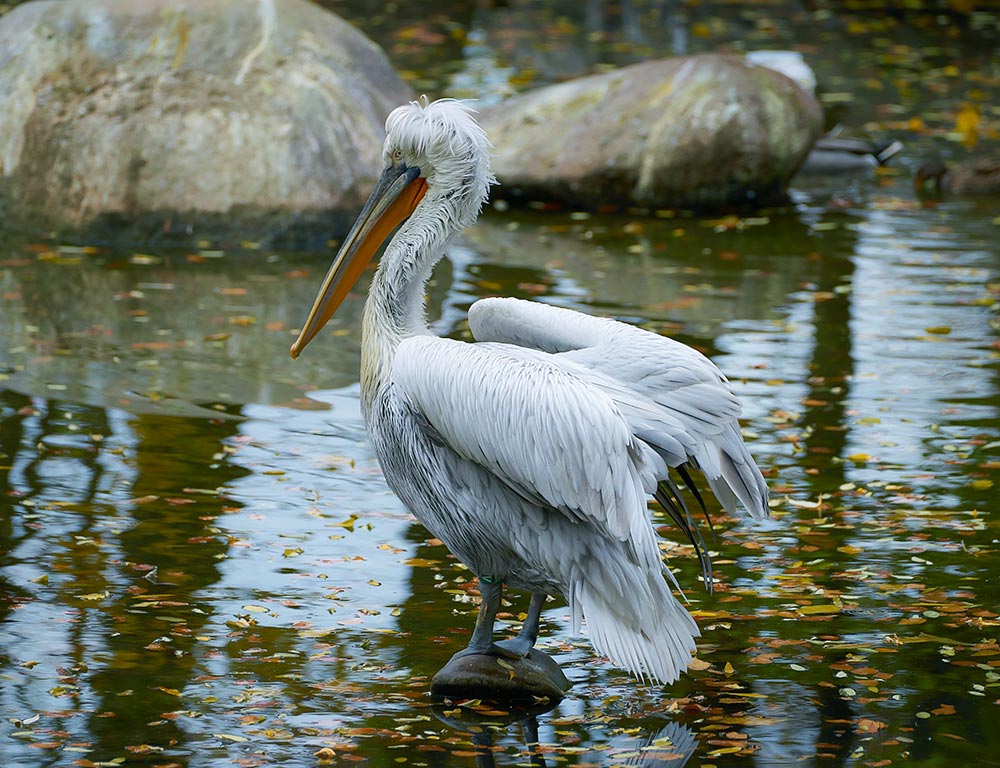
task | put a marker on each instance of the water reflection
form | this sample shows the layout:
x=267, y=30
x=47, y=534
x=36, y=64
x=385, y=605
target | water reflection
x=671, y=746
x=200, y=563
x=98, y=542
x=296, y=606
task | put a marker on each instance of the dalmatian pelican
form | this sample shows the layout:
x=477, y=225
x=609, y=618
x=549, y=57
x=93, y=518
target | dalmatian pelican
x=531, y=452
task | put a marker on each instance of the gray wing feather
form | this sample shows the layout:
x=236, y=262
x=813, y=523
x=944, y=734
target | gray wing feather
x=539, y=428
x=675, y=398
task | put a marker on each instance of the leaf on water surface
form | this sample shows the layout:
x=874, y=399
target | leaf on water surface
x=805, y=504
x=142, y=749
x=868, y=725
x=967, y=124
x=724, y=751
x=347, y=524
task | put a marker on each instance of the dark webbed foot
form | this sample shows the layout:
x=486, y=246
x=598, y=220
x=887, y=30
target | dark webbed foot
x=521, y=644
x=492, y=649
x=517, y=647
x=480, y=670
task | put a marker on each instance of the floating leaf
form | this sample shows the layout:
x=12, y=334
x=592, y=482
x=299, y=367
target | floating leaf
x=813, y=609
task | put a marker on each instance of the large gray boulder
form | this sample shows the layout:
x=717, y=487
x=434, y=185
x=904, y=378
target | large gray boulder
x=699, y=131
x=242, y=117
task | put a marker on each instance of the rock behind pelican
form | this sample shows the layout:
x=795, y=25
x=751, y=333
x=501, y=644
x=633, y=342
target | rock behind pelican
x=217, y=117
x=690, y=132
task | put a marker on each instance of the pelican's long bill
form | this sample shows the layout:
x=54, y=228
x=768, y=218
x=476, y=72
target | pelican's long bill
x=396, y=195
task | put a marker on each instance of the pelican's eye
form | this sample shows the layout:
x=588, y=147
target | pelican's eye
x=397, y=154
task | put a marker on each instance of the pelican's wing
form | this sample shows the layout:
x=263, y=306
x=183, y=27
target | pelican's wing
x=644, y=373
x=541, y=429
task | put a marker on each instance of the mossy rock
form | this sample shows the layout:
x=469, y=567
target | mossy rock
x=701, y=132
x=215, y=117
x=481, y=676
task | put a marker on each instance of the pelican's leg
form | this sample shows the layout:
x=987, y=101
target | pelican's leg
x=481, y=642
x=522, y=643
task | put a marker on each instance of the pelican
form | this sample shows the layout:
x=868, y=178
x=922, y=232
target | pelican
x=531, y=452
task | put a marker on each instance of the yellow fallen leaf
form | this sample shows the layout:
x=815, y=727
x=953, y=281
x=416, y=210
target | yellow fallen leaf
x=724, y=751
x=810, y=609
x=967, y=124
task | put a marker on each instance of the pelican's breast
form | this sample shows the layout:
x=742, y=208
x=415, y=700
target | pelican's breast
x=456, y=500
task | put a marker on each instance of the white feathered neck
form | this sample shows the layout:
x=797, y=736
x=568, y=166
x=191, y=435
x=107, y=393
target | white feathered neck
x=453, y=153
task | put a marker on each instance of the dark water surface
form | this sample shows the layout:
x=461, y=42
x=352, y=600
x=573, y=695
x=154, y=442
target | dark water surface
x=200, y=563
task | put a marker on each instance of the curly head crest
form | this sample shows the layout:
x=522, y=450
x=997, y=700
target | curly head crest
x=443, y=138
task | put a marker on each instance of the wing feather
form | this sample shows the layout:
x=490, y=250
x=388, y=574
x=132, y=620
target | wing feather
x=537, y=426
x=675, y=398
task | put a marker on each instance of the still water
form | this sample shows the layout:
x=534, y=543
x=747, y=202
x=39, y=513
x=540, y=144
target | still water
x=200, y=564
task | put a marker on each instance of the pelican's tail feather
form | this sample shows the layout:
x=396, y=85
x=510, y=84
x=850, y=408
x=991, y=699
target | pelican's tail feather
x=649, y=633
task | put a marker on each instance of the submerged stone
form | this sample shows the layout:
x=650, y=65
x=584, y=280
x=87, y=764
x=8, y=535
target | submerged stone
x=482, y=676
x=219, y=116
x=690, y=132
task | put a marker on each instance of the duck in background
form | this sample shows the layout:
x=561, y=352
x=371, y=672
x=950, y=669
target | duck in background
x=832, y=153
x=975, y=176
